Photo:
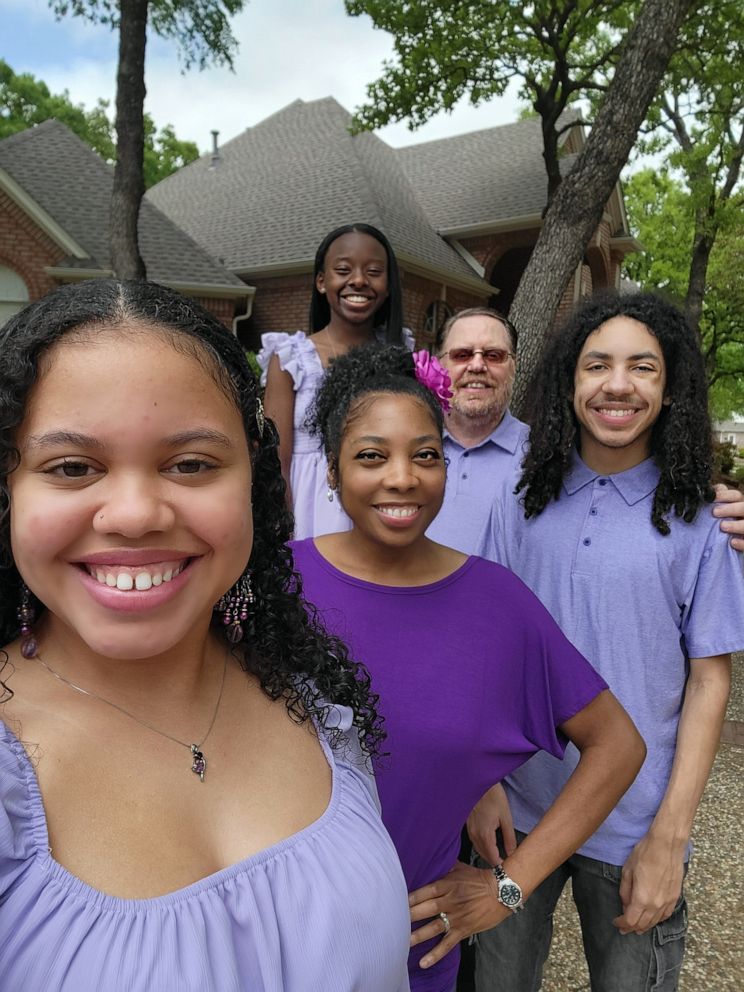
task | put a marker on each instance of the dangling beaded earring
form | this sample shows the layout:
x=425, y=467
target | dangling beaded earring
x=260, y=417
x=234, y=607
x=26, y=615
x=329, y=494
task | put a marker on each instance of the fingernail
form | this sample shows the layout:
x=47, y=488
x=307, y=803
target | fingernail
x=425, y=962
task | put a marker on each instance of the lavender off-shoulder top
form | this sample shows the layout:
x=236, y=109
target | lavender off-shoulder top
x=324, y=910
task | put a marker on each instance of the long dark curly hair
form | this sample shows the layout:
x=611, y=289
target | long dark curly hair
x=390, y=314
x=289, y=651
x=360, y=373
x=681, y=436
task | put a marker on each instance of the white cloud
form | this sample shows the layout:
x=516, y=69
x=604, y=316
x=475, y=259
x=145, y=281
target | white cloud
x=287, y=50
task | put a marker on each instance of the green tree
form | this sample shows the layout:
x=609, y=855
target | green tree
x=618, y=50
x=25, y=101
x=698, y=122
x=662, y=214
x=201, y=28
x=561, y=50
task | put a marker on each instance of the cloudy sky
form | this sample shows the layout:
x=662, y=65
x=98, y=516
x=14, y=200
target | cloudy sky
x=288, y=49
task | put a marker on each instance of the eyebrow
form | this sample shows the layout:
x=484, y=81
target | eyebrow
x=374, y=439
x=631, y=358
x=73, y=439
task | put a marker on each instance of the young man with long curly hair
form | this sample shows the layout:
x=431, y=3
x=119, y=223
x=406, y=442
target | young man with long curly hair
x=610, y=530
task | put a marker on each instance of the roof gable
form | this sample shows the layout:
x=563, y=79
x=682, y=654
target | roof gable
x=280, y=186
x=67, y=183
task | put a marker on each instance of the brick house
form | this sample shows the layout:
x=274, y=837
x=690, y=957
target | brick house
x=54, y=212
x=462, y=213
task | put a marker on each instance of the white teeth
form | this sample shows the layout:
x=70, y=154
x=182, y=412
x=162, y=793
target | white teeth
x=356, y=299
x=616, y=413
x=398, y=511
x=142, y=581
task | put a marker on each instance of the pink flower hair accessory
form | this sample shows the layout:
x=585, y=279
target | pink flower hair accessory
x=432, y=374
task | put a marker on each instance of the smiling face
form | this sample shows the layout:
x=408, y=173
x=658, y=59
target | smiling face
x=354, y=278
x=619, y=392
x=391, y=470
x=130, y=509
x=481, y=391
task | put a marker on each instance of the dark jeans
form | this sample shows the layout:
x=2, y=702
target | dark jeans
x=510, y=958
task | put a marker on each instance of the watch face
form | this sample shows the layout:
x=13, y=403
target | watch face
x=510, y=894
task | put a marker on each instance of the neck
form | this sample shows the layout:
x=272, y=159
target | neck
x=469, y=431
x=385, y=564
x=611, y=461
x=178, y=675
x=348, y=335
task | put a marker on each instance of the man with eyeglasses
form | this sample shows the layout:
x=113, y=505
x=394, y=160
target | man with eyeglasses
x=483, y=441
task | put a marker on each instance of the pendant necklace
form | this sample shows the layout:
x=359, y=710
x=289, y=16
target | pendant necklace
x=198, y=763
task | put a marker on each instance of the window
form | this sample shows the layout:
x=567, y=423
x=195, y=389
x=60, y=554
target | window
x=13, y=294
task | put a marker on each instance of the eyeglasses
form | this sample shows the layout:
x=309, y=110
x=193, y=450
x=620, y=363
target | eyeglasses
x=491, y=356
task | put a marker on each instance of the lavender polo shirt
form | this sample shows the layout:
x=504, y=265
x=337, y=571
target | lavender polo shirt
x=473, y=474
x=637, y=605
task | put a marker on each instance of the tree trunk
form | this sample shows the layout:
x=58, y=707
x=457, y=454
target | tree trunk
x=578, y=204
x=702, y=246
x=129, y=183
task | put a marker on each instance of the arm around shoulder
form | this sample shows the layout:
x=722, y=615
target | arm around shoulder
x=279, y=400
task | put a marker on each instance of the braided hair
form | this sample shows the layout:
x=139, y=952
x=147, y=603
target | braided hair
x=289, y=652
x=681, y=436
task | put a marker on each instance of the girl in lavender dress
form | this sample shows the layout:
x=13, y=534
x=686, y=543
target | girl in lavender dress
x=356, y=299
x=185, y=802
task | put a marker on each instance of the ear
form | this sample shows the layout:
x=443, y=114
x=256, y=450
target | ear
x=320, y=282
x=667, y=401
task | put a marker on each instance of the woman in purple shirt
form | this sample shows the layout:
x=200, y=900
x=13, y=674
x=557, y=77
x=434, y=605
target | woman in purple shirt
x=473, y=674
x=185, y=802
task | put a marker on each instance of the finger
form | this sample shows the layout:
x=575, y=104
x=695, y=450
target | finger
x=425, y=910
x=726, y=495
x=489, y=850
x=445, y=945
x=424, y=894
x=435, y=928
x=508, y=836
x=737, y=543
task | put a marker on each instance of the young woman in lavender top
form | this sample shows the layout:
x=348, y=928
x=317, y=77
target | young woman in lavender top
x=185, y=802
x=356, y=299
x=473, y=674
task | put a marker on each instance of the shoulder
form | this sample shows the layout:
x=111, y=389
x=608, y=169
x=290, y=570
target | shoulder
x=20, y=816
x=295, y=352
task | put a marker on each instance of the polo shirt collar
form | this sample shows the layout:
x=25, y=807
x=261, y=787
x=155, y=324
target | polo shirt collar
x=633, y=485
x=507, y=435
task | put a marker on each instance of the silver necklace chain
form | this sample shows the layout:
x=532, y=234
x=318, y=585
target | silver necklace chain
x=199, y=762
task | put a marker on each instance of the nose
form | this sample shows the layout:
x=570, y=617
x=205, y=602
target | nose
x=400, y=475
x=133, y=507
x=358, y=277
x=477, y=362
x=617, y=381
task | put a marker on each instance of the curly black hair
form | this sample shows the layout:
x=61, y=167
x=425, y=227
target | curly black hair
x=681, y=436
x=358, y=374
x=390, y=314
x=289, y=652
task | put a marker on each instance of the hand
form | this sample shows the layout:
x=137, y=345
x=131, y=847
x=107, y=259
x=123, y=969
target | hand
x=489, y=814
x=730, y=504
x=469, y=898
x=651, y=885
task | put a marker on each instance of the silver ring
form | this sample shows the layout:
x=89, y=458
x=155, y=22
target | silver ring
x=447, y=925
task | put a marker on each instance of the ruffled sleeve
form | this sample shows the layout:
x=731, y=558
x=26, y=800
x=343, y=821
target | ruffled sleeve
x=348, y=748
x=17, y=844
x=295, y=352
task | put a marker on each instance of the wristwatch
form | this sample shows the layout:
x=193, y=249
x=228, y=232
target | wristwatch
x=509, y=894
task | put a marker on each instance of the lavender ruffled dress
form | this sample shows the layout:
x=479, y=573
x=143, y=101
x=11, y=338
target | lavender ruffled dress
x=314, y=513
x=324, y=910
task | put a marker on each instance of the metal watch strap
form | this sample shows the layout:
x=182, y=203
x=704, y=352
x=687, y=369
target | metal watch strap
x=501, y=877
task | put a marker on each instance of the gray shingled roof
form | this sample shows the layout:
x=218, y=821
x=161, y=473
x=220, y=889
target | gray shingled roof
x=481, y=177
x=72, y=184
x=281, y=185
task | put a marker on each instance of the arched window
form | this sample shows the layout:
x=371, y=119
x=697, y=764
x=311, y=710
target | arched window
x=13, y=293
